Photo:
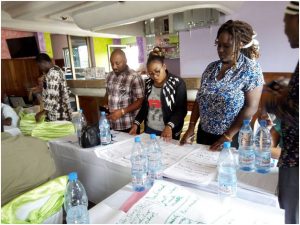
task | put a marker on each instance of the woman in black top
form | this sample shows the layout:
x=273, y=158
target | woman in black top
x=165, y=104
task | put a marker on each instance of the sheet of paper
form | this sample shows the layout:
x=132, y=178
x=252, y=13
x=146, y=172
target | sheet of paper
x=172, y=152
x=116, y=152
x=120, y=151
x=199, y=167
x=169, y=203
x=103, y=214
x=245, y=212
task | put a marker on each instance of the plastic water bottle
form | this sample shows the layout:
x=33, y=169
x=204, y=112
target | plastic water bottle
x=227, y=180
x=246, y=148
x=139, y=166
x=262, y=143
x=79, y=122
x=76, y=201
x=104, y=127
x=154, y=160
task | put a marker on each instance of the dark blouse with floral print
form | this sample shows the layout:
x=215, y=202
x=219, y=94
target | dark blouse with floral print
x=290, y=130
x=220, y=101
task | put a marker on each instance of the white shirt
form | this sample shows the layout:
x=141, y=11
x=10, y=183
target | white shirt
x=7, y=111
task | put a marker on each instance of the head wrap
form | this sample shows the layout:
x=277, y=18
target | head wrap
x=292, y=8
x=252, y=42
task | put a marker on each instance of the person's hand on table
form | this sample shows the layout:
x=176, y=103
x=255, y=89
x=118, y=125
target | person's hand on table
x=166, y=134
x=133, y=129
x=188, y=137
x=218, y=145
x=39, y=115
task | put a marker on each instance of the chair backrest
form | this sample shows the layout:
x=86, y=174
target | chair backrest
x=16, y=101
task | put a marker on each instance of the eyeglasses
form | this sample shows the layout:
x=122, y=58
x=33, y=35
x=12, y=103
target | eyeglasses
x=156, y=71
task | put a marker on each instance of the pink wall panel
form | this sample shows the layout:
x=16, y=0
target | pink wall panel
x=59, y=41
x=7, y=34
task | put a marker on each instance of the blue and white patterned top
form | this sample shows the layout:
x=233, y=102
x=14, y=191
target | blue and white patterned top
x=221, y=101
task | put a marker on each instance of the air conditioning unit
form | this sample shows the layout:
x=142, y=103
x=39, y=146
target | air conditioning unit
x=195, y=19
x=183, y=21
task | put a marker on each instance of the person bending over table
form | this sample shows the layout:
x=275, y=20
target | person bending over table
x=56, y=102
x=165, y=104
x=230, y=87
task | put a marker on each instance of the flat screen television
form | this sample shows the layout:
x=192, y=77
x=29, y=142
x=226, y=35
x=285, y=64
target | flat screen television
x=22, y=47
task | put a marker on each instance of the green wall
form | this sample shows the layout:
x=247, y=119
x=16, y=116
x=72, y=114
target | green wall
x=128, y=41
x=48, y=44
x=100, y=51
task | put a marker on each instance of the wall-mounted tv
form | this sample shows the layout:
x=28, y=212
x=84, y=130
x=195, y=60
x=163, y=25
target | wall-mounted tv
x=22, y=47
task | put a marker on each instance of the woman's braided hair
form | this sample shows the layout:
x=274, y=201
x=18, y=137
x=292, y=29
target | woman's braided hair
x=240, y=32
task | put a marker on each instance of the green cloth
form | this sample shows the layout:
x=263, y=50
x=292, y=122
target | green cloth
x=44, y=130
x=52, y=130
x=28, y=123
x=53, y=189
x=26, y=162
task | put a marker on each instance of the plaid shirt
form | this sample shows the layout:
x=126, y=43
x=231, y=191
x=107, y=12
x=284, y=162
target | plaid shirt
x=123, y=90
x=56, y=96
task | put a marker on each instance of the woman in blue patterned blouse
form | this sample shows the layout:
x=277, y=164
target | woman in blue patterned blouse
x=230, y=87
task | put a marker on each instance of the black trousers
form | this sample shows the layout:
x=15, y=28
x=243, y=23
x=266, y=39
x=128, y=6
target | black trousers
x=206, y=138
x=288, y=193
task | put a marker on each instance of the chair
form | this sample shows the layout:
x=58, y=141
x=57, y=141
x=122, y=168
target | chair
x=17, y=101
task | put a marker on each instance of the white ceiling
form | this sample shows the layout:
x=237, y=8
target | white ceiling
x=96, y=18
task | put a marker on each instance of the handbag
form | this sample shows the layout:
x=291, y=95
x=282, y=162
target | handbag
x=90, y=136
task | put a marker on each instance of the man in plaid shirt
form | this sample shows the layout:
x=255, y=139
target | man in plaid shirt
x=124, y=92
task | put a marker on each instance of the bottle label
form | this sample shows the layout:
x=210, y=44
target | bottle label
x=140, y=179
x=246, y=157
x=263, y=159
x=227, y=189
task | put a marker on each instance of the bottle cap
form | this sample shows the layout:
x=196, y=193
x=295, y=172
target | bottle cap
x=152, y=136
x=102, y=113
x=137, y=139
x=246, y=122
x=263, y=123
x=227, y=144
x=73, y=176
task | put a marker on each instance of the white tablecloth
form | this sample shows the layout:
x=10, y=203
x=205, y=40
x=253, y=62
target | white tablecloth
x=100, y=177
x=105, y=169
x=110, y=210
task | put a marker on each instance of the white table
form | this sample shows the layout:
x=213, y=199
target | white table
x=100, y=177
x=105, y=169
x=102, y=169
x=110, y=210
